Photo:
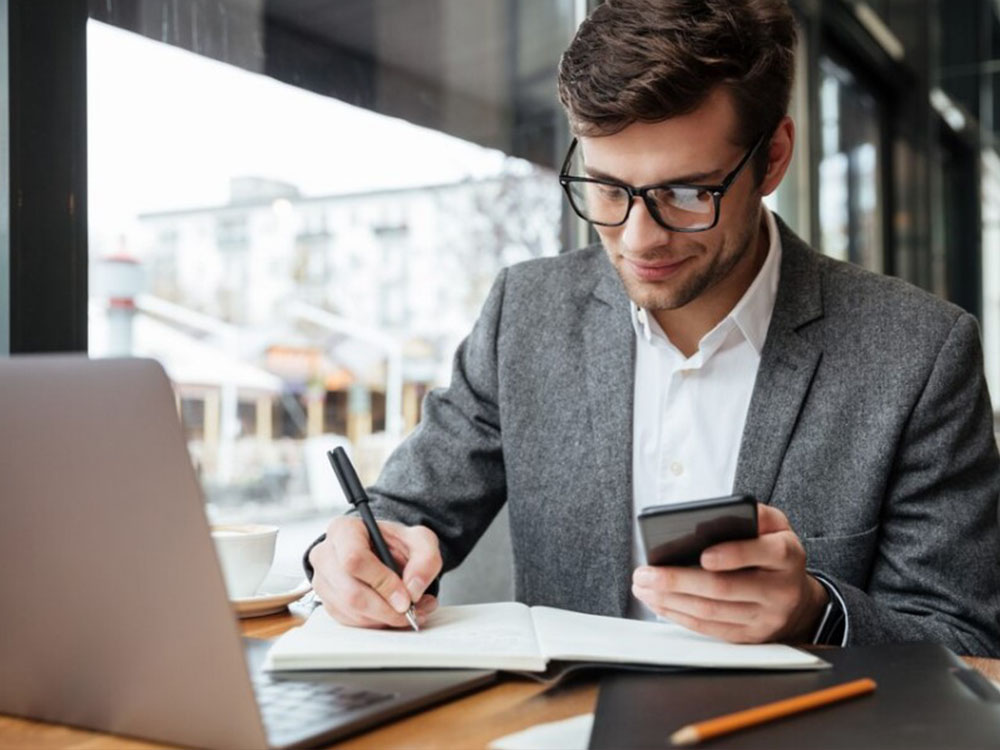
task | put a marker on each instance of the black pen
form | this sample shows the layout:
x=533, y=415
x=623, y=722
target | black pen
x=357, y=497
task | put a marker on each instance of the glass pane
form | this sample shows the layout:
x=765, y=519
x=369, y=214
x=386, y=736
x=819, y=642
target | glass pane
x=304, y=259
x=791, y=199
x=991, y=270
x=850, y=177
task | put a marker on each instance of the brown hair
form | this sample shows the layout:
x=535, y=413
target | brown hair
x=650, y=60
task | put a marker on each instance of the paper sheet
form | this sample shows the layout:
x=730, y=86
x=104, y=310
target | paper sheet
x=511, y=636
x=568, y=734
x=573, y=636
x=488, y=636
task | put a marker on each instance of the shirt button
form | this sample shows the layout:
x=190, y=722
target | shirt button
x=676, y=468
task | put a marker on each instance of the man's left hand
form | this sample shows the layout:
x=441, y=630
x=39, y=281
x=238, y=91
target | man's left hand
x=749, y=591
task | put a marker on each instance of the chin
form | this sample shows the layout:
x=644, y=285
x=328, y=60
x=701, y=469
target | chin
x=654, y=297
x=663, y=295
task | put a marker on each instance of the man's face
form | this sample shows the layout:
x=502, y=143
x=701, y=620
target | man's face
x=662, y=269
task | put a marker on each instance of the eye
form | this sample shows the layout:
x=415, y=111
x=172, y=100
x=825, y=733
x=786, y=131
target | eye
x=610, y=192
x=695, y=200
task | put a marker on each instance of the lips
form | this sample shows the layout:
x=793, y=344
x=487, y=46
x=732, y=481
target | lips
x=654, y=271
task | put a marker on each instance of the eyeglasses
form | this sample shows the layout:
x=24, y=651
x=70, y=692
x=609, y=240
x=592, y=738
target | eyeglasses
x=679, y=207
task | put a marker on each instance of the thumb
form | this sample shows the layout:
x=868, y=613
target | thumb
x=770, y=520
x=423, y=562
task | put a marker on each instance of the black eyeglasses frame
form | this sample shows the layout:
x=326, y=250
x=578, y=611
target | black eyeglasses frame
x=716, y=191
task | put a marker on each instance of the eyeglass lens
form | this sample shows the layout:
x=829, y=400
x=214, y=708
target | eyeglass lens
x=680, y=207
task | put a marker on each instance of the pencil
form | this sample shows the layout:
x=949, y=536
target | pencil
x=695, y=733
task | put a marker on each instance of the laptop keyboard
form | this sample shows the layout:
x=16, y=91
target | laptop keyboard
x=287, y=706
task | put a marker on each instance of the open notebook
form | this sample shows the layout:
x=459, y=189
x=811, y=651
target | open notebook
x=516, y=637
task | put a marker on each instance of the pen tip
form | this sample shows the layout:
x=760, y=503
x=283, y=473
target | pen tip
x=411, y=617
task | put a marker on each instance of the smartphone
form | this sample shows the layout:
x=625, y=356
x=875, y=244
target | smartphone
x=676, y=534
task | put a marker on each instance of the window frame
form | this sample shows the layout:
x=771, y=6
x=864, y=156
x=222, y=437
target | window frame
x=47, y=151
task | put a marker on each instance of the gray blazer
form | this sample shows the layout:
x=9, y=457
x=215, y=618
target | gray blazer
x=869, y=426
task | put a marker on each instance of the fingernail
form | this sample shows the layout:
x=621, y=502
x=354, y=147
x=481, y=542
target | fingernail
x=645, y=577
x=416, y=588
x=399, y=602
x=709, y=559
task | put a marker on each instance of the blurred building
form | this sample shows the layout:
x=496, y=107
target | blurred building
x=282, y=318
x=414, y=262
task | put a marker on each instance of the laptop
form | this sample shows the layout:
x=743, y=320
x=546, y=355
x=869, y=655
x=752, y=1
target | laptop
x=114, y=612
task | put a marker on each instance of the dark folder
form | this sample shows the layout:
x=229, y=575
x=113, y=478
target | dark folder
x=926, y=698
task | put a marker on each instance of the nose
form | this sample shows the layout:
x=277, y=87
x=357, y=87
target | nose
x=641, y=231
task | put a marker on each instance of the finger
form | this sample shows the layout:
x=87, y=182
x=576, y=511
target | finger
x=733, y=586
x=331, y=603
x=398, y=538
x=775, y=551
x=398, y=552
x=423, y=562
x=356, y=558
x=770, y=519
x=746, y=553
x=324, y=566
x=350, y=533
x=326, y=582
x=779, y=550
x=710, y=610
x=358, y=600
x=354, y=621
x=347, y=531
x=723, y=631
x=426, y=605
x=395, y=536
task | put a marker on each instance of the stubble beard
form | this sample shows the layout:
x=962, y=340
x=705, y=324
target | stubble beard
x=676, y=293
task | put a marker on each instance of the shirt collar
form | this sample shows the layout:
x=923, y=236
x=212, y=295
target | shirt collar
x=752, y=314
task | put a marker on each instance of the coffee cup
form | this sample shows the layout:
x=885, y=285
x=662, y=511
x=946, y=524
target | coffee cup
x=245, y=553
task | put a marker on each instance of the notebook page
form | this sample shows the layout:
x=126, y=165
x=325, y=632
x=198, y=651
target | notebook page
x=573, y=636
x=474, y=636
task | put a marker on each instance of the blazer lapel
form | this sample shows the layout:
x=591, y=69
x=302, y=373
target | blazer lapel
x=609, y=357
x=787, y=366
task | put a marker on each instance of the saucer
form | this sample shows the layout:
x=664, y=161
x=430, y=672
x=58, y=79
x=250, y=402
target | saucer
x=276, y=592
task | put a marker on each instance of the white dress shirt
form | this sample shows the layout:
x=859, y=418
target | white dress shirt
x=689, y=413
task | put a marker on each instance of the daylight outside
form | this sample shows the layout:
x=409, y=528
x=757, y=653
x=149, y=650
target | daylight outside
x=303, y=269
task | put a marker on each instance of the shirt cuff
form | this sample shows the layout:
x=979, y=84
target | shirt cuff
x=834, y=625
x=305, y=558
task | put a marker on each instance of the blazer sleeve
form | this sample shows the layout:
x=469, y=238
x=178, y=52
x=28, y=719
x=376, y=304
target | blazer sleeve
x=936, y=575
x=448, y=474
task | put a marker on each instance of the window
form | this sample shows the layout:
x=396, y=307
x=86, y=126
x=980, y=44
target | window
x=791, y=199
x=303, y=259
x=850, y=170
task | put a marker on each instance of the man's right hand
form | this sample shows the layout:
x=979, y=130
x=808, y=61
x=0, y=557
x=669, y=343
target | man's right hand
x=357, y=589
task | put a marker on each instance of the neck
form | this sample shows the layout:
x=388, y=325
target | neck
x=686, y=326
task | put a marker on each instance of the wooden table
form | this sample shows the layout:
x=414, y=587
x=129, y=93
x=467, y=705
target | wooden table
x=469, y=722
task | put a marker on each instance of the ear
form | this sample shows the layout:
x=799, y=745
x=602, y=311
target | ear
x=779, y=155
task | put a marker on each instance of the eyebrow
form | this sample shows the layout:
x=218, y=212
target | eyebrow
x=694, y=178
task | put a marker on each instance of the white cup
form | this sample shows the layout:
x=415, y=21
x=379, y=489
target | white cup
x=245, y=553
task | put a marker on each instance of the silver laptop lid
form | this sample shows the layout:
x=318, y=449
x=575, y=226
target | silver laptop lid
x=114, y=612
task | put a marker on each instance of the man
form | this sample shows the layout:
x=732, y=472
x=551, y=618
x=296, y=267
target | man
x=703, y=349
